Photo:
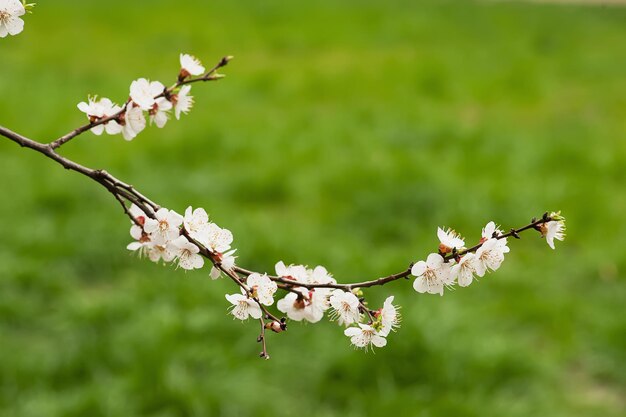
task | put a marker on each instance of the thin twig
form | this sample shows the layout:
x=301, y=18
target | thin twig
x=208, y=76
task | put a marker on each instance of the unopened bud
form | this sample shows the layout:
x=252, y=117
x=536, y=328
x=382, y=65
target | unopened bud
x=275, y=326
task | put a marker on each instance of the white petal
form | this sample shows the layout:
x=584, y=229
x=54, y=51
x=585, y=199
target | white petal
x=418, y=269
x=15, y=25
x=352, y=331
x=378, y=341
x=134, y=246
x=254, y=310
x=434, y=260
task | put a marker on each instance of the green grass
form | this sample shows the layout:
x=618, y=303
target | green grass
x=344, y=134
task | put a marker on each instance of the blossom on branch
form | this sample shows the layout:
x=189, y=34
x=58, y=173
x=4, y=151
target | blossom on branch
x=165, y=227
x=491, y=230
x=463, y=270
x=303, y=303
x=146, y=247
x=431, y=274
x=143, y=92
x=137, y=214
x=10, y=21
x=159, y=112
x=217, y=239
x=490, y=256
x=187, y=253
x=292, y=272
x=364, y=336
x=345, y=307
x=227, y=262
x=99, y=109
x=244, y=307
x=190, y=65
x=196, y=223
x=262, y=288
x=389, y=317
x=183, y=102
x=554, y=229
x=449, y=239
x=133, y=122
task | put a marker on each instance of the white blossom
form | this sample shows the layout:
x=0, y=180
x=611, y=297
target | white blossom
x=190, y=65
x=157, y=252
x=137, y=213
x=489, y=230
x=297, y=273
x=134, y=122
x=449, y=239
x=262, y=287
x=183, y=102
x=554, y=229
x=165, y=227
x=490, y=256
x=244, y=307
x=345, y=307
x=146, y=247
x=99, y=109
x=159, y=112
x=216, y=239
x=317, y=304
x=142, y=240
x=227, y=262
x=293, y=305
x=307, y=305
x=463, y=271
x=317, y=275
x=311, y=304
x=431, y=274
x=143, y=92
x=187, y=253
x=196, y=222
x=10, y=21
x=364, y=336
x=389, y=317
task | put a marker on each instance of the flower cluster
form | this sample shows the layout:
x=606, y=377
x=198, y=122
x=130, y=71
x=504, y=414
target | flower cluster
x=455, y=264
x=147, y=98
x=375, y=332
x=305, y=301
x=258, y=290
x=166, y=235
x=302, y=303
x=439, y=271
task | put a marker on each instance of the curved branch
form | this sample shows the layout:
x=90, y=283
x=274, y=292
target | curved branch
x=127, y=191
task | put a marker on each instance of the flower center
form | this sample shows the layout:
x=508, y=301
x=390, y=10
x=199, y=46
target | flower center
x=163, y=225
x=430, y=275
x=4, y=16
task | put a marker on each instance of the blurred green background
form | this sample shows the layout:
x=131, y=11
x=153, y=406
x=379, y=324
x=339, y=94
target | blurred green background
x=344, y=134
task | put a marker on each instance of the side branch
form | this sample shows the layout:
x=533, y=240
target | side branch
x=210, y=75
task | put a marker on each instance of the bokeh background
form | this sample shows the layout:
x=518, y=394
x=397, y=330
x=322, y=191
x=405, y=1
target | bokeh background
x=344, y=134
